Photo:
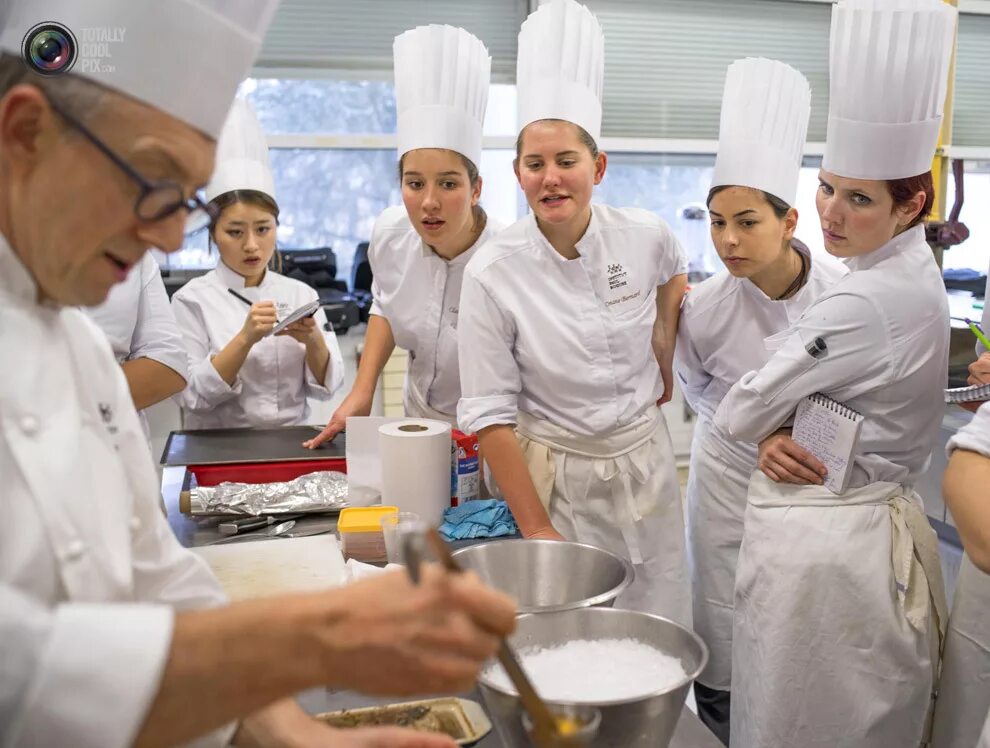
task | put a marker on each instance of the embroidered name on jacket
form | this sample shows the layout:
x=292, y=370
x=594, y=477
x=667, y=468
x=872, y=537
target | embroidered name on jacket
x=616, y=276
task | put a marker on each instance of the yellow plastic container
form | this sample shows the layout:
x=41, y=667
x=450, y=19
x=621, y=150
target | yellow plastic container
x=360, y=530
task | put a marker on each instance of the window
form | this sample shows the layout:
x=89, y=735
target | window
x=974, y=252
x=675, y=188
x=330, y=195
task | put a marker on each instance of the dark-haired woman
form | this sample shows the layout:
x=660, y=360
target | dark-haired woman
x=568, y=320
x=727, y=324
x=239, y=374
x=418, y=251
x=839, y=608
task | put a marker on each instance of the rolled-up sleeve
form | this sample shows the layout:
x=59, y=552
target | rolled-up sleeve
x=859, y=356
x=375, y=261
x=673, y=258
x=157, y=335
x=690, y=370
x=205, y=388
x=490, y=380
x=78, y=674
x=974, y=436
x=333, y=380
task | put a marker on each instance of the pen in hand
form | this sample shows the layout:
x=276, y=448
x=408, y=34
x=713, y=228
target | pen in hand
x=978, y=332
x=236, y=295
x=245, y=299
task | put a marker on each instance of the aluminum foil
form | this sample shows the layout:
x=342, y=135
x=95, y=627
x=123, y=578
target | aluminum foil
x=315, y=492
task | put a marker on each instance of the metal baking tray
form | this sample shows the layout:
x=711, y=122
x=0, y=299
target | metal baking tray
x=462, y=719
x=225, y=446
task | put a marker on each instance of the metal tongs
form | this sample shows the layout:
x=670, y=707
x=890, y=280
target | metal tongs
x=545, y=731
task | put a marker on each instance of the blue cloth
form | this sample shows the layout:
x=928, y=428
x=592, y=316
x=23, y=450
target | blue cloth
x=488, y=518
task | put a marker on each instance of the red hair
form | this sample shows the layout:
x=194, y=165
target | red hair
x=903, y=191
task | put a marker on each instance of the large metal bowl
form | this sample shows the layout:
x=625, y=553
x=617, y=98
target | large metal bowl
x=549, y=575
x=645, y=722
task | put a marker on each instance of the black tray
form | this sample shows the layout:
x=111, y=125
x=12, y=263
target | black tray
x=229, y=446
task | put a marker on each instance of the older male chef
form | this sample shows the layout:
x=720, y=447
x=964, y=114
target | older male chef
x=99, y=644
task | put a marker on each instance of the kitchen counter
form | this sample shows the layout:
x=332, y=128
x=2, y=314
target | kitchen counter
x=690, y=733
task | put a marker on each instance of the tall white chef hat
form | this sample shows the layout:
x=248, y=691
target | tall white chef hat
x=185, y=57
x=242, y=155
x=441, y=89
x=765, y=110
x=888, y=73
x=561, y=66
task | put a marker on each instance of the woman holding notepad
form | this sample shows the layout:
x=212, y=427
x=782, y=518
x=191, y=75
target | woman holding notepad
x=249, y=363
x=771, y=278
x=839, y=606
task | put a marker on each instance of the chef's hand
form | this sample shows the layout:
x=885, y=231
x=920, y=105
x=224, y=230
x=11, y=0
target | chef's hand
x=303, y=330
x=355, y=404
x=387, y=636
x=261, y=319
x=545, y=533
x=667, y=373
x=979, y=373
x=784, y=461
x=979, y=370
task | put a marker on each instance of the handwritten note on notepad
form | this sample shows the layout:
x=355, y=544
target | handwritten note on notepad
x=830, y=431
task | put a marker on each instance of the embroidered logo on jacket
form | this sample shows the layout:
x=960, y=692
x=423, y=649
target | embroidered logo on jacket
x=616, y=276
x=106, y=413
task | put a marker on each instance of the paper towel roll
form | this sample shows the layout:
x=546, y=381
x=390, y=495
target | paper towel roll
x=415, y=455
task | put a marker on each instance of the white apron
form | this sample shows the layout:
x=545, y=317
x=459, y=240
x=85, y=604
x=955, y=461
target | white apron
x=964, y=688
x=839, y=605
x=618, y=492
x=717, y=488
x=415, y=406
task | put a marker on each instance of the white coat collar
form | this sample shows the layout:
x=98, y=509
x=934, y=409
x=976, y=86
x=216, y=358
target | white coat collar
x=464, y=256
x=14, y=276
x=753, y=290
x=235, y=280
x=585, y=245
x=895, y=246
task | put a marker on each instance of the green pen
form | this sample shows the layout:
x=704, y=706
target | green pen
x=978, y=333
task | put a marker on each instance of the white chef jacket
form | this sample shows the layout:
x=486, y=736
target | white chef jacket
x=138, y=321
x=724, y=321
x=886, y=328
x=419, y=293
x=90, y=571
x=272, y=386
x=565, y=340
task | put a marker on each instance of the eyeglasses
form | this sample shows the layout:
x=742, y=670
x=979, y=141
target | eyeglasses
x=156, y=200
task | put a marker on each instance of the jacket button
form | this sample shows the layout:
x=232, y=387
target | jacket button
x=135, y=523
x=74, y=550
x=29, y=425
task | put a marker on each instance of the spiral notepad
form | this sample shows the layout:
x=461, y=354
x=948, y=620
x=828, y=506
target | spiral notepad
x=830, y=431
x=975, y=393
